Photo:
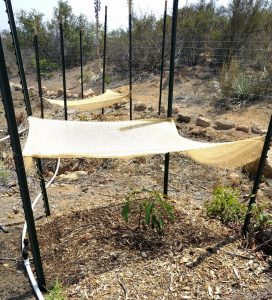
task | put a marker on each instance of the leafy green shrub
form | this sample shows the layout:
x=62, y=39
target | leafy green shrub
x=56, y=292
x=153, y=210
x=225, y=205
x=47, y=67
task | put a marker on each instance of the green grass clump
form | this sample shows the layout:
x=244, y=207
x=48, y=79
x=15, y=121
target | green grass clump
x=225, y=205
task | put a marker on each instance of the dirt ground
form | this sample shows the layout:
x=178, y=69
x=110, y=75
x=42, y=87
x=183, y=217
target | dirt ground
x=87, y=246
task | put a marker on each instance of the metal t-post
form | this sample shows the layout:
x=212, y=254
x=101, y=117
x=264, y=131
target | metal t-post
x=63, y=70
x=258, y=176
x=162, y=57
x=20, y=65
x=38, y=69
x=81, y=62
x=130, y=57
x=104, y=53
x=20, y=168
x=171, y=87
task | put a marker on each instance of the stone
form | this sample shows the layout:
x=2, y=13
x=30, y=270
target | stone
x=163, y=110
x=175, y=110
x=183, y=118
x=75, y=96
x=69, y=176
x=256, y=130
x=140, y=107
x=203, y=122
x=44, y=89
x=224, y=125
x=234, y=179
x=17, y=87
x=117, y=106
x=88, y=93
x=68, y=94
x=15, y=210
x=60, y=92
x=242, y=128
x=81, y=173
x=12, y=184
x=50, y=93
x=143, y=254
x=32, y=89
x=85, y=189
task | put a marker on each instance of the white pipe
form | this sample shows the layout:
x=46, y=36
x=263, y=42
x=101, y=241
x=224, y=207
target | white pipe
x=33, y=280
x=26, y=261
x=7, y=137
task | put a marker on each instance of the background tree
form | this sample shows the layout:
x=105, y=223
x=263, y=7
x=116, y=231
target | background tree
x=97, y=8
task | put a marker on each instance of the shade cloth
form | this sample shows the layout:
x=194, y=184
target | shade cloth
x=104, y=100
x=120, y=139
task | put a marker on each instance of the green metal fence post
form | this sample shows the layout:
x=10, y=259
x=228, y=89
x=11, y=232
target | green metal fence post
x=20, y=168
x=171, y=87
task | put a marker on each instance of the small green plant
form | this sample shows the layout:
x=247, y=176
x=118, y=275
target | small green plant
x=261, y=219
x=153, y=209
x=56, y=292
x=225, y=205
x=107, y=79
x=242, y=87
x=4, y=174
x=83, y=118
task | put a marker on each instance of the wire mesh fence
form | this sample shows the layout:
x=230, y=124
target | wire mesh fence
x=238, y=70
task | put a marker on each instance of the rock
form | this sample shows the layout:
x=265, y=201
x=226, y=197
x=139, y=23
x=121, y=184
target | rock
x=183, y=118
x=15, y=210
x=81, y=173
x=242, y=128
x=175, y=110
x=140, y=107
x=88, y=93
x=44, y=89
x=117, y=106
x=234, y=179
x=68, y=176
x=85, y=189
x=17, y=87
x=224, y=125
x=32, y=89
x=50, y=93
x=12, y=184
x=143, y=254
x=60, y=92
x=75, y=96
x=163, y=109
x=256, y=130
x=203, y=122
x=68, y=94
